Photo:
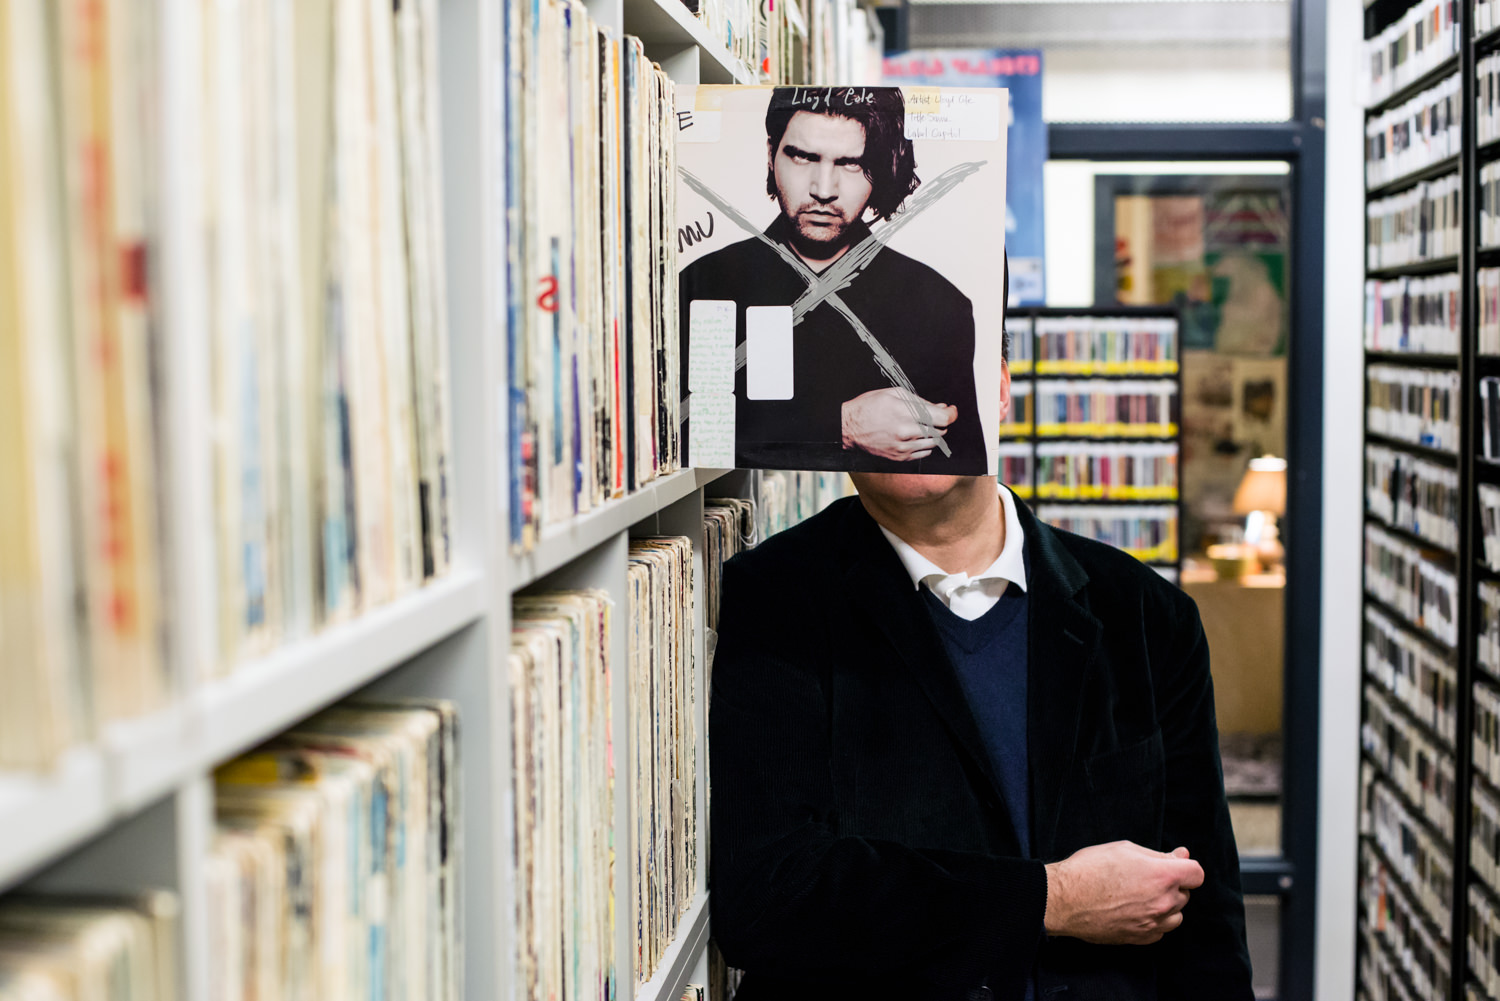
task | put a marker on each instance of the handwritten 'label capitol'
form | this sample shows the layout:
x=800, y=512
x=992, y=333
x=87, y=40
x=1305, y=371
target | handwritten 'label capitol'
x=954, y=116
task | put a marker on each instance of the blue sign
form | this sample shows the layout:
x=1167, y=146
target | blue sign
x=1019, y=70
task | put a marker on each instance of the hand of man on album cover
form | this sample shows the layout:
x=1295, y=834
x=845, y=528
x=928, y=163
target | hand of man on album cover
x=1119, y=893
x=880, y=422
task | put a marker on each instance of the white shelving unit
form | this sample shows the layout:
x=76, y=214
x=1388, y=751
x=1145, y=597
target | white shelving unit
x=134, y=809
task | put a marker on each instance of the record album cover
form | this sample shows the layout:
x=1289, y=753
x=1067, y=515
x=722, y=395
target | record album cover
x=841, y=256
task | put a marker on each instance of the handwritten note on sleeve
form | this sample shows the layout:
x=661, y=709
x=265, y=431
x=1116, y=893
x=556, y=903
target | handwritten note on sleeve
x=711, y=430
x=711, y=346
x=955, y=116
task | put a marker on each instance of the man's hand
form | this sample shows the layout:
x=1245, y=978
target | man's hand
x=1119, y=893
x=880, y=422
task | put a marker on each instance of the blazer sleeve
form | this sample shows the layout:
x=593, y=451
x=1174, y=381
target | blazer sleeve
x=791, y=895
x=1209, y=946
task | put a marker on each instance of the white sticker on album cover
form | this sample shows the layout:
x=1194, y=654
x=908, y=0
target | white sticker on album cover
x=953, y=116
x=768, y=353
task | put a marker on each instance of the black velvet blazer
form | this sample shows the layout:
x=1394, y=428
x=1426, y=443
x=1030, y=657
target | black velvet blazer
x=861, y=848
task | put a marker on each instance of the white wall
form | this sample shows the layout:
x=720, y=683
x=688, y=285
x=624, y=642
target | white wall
x=1342, y=511
x=1171, y=82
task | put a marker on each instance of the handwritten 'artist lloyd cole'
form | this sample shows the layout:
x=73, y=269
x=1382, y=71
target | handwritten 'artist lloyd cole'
x=888, y=361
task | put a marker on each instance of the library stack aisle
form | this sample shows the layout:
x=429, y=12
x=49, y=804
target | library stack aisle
x=132, y=807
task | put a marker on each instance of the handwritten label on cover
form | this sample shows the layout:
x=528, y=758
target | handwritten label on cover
x=711, y=346
x=711, y=430
x=954, y=116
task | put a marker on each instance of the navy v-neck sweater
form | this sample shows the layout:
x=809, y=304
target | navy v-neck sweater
x=989, y=656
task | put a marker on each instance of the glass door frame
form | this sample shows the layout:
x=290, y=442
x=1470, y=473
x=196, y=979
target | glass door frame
x=1299, y=142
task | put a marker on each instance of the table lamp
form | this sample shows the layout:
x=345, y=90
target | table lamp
x=1261, y=497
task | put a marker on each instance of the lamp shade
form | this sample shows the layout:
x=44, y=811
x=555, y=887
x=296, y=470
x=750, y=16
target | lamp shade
x=1263, y=488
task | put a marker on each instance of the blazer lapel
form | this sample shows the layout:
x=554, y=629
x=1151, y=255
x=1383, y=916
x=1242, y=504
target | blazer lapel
x=883, y=592
x=1064, y=638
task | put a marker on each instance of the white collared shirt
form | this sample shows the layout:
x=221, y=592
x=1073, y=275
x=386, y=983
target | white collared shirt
x=970, y=597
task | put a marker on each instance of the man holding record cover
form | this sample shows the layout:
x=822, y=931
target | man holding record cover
x=958, y=754
x=878, y=374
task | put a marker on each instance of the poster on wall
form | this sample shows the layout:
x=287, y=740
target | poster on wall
x=1019, y=71
x=1216, y=247
x=840, y=254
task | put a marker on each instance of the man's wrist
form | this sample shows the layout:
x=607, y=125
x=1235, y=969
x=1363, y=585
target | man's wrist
x=844, y=433
x=1053, y=919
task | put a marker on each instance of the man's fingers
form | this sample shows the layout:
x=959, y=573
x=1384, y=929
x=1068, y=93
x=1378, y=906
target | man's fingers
x=941, y=414
x=918, y=445
x=920, y=455
x=1189, y=874
x=1180, y=852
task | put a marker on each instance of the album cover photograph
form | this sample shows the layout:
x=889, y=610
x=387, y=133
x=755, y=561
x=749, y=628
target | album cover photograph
x=841, y=265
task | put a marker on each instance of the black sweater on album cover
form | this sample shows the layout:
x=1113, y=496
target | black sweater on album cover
x=925, y=323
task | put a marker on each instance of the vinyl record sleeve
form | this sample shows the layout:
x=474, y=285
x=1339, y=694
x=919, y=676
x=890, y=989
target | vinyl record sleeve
x=857, y=235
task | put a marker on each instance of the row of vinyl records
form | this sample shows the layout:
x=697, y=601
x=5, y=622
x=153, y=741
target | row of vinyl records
x=1483, y=946
x=775, y=41
x=566, y=844
x=1486, y=17
x=564, y=783
x=1489, y=205
x=1414, y=135
x=592, y=328
x=1422, y=223
x=1412, y=46
x=1414, y=765
x=1419, y=315
x=1424, y=865
x=1413, y=494
x=1391, y=924
x=1100, y=345
x=1489, y=418
x=1380, y=977
x=1148, y=532
x=1488, y=627
x=1414, y=405
x=1093, y=409
x=783, y=498
x=1138, y=471
x=1486, y=738
x=1487, y=99
x=1489, y=311
x=1021, y=421
x=1489, y=523
x=593, y=341
x=1017, y=462
x=1407, y=670
x=316, y=244
x=333, y=874
x=1484, y=835
x=1405, y=578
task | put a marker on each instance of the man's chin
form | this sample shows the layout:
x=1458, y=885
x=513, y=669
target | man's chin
x=906, y=489
x=821, y=242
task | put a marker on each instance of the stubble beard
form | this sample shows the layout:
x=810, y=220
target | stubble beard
x=814, y=248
